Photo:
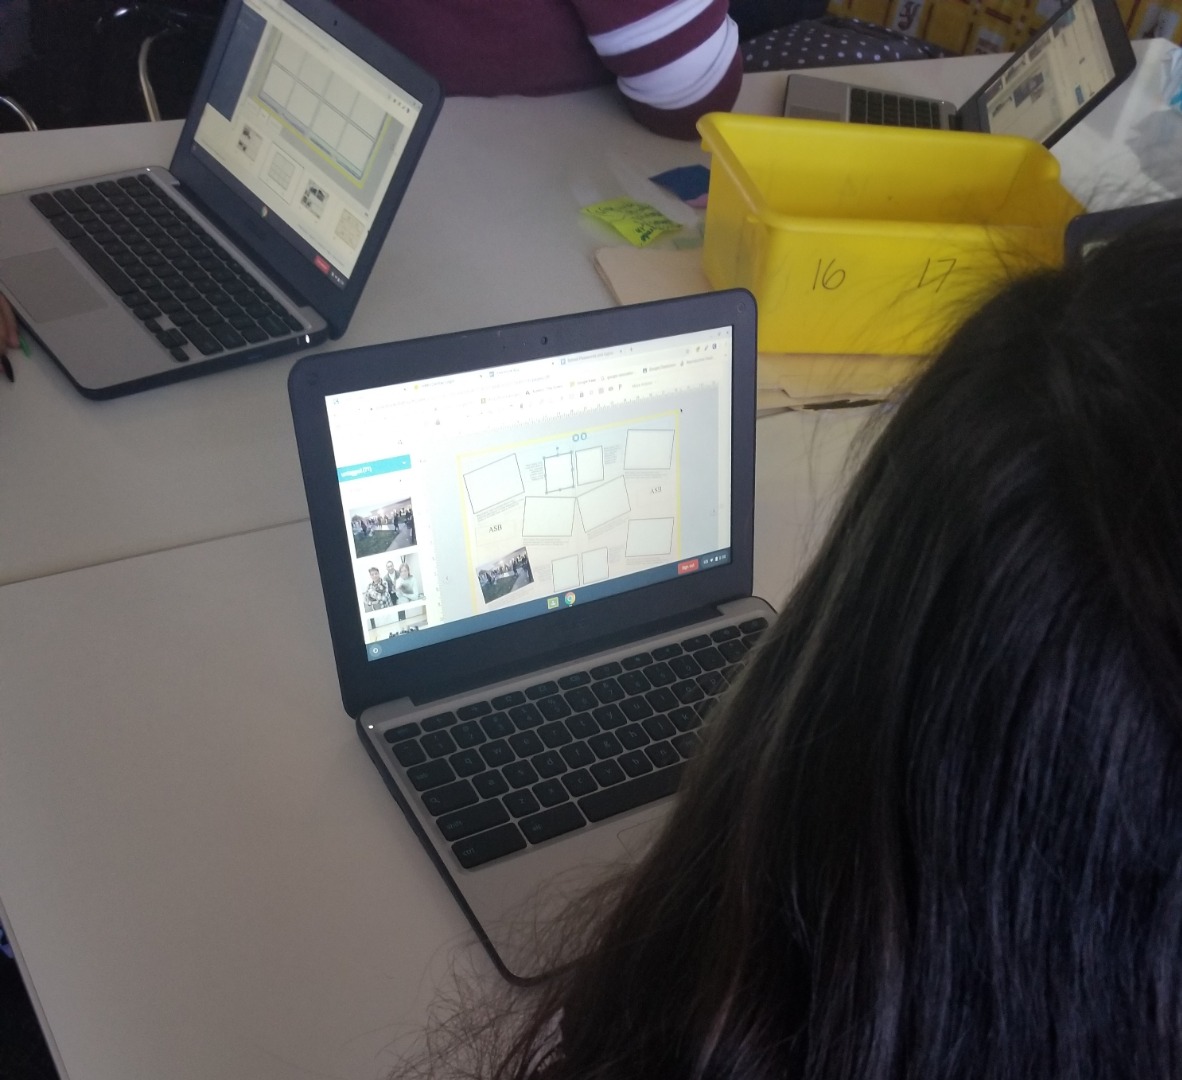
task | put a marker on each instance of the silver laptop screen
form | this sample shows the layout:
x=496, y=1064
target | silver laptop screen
x=1063, y=69
x=306, y=127
x=479, y=499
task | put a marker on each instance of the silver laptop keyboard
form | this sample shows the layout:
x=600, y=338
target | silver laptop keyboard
x=893, y=110
x=165, y=268
x=526, y=766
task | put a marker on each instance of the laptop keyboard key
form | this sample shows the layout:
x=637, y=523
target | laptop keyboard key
x=469, y=734
x=438, y=744
x=660, y=674
x=608, y=773
x=496, y=753
x=544, y=689
x=497, y=726
x=659, y=727
x=555, y=735
x=443, y=800
x=687, y=692
x=662, y=755
x=710, y=658
x=638, y=791
x=636, y=708
x=520, y=774
x=521, y=803
x=466, y=763
x=552, y=822
x=490, y=784
x=605, y=745
x=403, y=731
x=661, y=699
x=472, y=819
x=582, y=726
x=634, y=682
x=632, y=737
x=577, y=755
x=609, y=716
x=486, y=846
x=635, y=763
x=579, y=782
x=608, y=690
x=429, y=775
x=581, y=699
x=554, y=707
x=526, y=743
x=526, y=716
x=409, y=753
x=550, y=793
x=548, y=763
x=734, y=651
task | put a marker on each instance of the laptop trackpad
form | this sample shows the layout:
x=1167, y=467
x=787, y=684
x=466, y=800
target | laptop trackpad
x=48, y=286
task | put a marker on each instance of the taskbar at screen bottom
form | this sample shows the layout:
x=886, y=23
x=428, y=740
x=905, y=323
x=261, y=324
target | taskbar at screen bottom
x=409, y=638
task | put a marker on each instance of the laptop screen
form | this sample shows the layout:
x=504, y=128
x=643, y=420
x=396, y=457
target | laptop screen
x=308, y=129
x=1063, y=69
x=478, y=499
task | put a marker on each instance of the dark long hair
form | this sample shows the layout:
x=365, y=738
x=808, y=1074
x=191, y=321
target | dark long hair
x=937, y=829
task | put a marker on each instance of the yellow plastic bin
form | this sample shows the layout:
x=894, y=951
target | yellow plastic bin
x=859, y=239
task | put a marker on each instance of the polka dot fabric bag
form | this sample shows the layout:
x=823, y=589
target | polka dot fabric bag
x=832, y=41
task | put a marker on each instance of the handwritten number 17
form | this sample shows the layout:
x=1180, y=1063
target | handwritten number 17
x=936, y=272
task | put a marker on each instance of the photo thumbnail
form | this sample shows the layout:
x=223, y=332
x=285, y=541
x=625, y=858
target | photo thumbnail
x=378, y=529
x=504, y=575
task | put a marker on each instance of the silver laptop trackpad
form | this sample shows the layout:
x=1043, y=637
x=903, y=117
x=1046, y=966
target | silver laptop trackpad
x=48, y=286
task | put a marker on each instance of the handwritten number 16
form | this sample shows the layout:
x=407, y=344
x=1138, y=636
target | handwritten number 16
x=830, y=278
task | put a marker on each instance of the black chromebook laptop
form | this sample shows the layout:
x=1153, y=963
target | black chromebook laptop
x=259, y=237
x=1073, y=63
x=535, y=545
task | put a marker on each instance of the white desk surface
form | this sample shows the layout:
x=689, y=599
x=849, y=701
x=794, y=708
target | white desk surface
x=489, y=232
x=201, y=870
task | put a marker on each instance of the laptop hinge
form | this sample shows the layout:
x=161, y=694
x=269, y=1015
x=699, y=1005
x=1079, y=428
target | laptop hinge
x=476, y=680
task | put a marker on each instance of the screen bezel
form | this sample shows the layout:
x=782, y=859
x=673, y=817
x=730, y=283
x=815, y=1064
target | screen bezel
x=1120, y=52
x=237, y=211
x=479, y=658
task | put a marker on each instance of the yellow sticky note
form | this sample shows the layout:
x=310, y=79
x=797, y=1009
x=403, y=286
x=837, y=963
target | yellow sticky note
x=638, y=223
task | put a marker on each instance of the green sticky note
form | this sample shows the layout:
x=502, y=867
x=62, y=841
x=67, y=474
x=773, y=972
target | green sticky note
x=638, y=223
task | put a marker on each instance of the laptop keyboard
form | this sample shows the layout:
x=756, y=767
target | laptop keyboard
x=184, y=286
x=526, y=766
x=893, y=110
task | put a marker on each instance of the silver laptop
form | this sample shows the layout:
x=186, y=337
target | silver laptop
x=535, y=546
x=258, y=239
x=1046, y=88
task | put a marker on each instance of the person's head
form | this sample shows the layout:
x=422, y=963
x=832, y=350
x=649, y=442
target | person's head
x=404, y=570
x=390, y=567
x=936, y=831
x=375, y=575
